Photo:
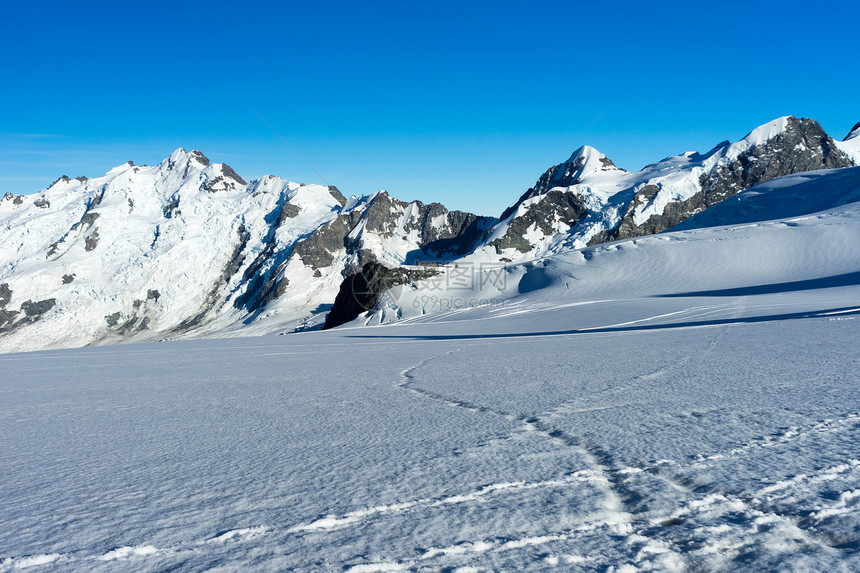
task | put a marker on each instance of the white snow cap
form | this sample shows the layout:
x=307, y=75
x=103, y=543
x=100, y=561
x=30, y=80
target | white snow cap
x=588, y=160
x=850, y=146
x=758, y=136
x=178, y=153
x=767, y=131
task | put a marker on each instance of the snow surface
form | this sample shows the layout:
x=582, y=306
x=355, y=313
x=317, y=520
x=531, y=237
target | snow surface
x=685, y=401
x=851, y=145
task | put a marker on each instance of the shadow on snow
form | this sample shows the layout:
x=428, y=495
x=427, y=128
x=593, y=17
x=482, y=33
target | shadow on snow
x=843, y=311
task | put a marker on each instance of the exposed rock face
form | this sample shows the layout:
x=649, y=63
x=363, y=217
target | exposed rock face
x=584, y=160
x=545, y=215
x=335, y=192
x=34, y=309
x=200, y=157
x=92, y=241
x=587, y=200
x=362, y=291
x=802, y=146
x=430, y=231
x=317, y=250
x=6, y=317
x=5, y=295
x=171, y=210
x=15, y=199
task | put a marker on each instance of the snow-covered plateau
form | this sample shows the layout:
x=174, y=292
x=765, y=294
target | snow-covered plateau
x=683, y=401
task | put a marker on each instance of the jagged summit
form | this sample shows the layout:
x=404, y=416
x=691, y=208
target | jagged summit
x=585, y=200
x=583, y=161
x=587, y=159
x=199, y=157
x=219, y=176
x=854, y=133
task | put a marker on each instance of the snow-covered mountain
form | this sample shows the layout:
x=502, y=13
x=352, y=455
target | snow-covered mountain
x=682, y=401
x=818, y=199
x=685, y=401
x=587, y=200
x=187, y=248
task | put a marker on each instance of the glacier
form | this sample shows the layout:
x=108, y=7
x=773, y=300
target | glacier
x=680, y=401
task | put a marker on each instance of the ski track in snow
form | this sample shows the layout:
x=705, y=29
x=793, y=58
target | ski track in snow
x=651, y=514
x=601, y=461
x=643, y=531
x=616, y=480
x=133, y=553
x=355, y=517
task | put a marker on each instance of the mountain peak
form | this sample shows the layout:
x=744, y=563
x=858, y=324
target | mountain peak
x=586, y=160
x=181, y=156
x=585, y=153
x=768, y=130
x=854, y=133
x=178, y=153
x=199, y=157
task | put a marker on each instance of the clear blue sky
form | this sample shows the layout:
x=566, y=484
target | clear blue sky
x=462, y=104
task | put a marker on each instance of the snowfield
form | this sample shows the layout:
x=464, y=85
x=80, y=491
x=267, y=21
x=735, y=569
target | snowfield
x=683, y=401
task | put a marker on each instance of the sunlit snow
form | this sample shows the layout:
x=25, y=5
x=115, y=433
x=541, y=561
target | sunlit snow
x=685, y=401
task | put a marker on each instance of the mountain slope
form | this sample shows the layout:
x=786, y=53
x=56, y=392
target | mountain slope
x=821, y=207
x=187, y=248
x=587, y=200
x=144, y=251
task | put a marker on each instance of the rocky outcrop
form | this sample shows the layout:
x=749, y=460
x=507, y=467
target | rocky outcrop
x=801, y=146
x=363, y=290
x=32, y=311
x=15, y=199
x=554, y=208
x=440, y=233
x=5, y=295
x=587, y=200
x=584, y=160
x=432, y=231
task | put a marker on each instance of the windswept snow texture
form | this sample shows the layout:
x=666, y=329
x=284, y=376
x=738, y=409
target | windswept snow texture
x=684, y=401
